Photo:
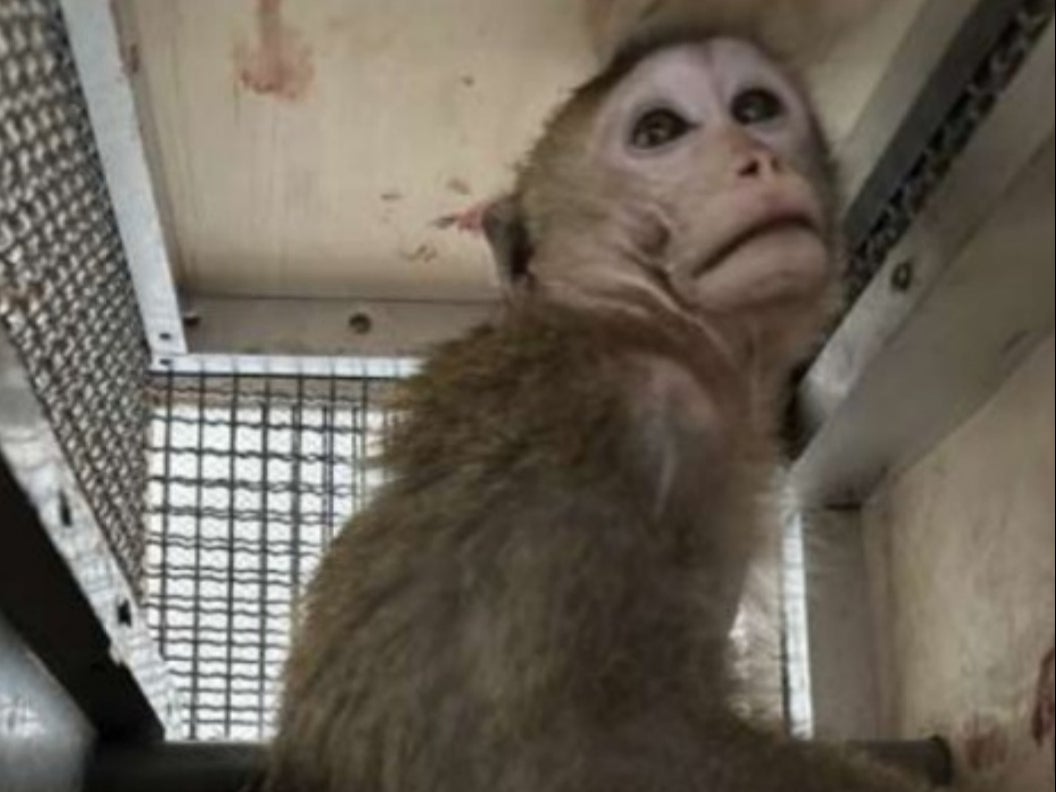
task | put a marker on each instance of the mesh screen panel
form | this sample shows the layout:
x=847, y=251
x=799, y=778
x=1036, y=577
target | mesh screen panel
x=66, y=298
x=250, y=477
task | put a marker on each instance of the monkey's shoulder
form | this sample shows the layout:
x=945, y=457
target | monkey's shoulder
x=547, y=385
x=542, y=341
x=538, y=354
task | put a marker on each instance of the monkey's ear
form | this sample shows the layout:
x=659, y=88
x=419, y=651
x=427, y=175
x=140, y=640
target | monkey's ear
x=507, y=234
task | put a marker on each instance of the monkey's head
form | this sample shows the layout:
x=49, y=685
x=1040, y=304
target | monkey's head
x=690, y=172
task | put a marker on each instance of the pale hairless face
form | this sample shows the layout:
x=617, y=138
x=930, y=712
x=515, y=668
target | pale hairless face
x=718, y=182
x=722, y=85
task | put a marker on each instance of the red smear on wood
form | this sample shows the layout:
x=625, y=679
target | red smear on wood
x=470, y=219
x=985, y=747
x=280, y=64
x=1044, y=720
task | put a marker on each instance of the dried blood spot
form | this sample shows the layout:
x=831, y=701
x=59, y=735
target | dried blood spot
x=986, y=745
x=422, y=254
x=1044, y=716
x=280, y=64
x=459, y=186
x=470, y=219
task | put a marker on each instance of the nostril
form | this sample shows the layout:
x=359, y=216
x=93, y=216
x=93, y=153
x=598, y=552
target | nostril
x=750, y=168
x=762, y=164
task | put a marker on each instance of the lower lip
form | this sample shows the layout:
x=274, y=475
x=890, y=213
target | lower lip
x=776, y=227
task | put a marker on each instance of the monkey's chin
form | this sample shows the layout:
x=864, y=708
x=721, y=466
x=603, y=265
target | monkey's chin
x=785, y=263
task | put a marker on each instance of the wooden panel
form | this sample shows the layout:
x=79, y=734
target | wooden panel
x=961, y=550
x=840, y=628
x=329, y=327
x=303, y=149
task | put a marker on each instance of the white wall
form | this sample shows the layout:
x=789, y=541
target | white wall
x=960, y=552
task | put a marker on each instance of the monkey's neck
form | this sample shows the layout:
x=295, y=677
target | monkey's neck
x=614, y=463
x=747, y=349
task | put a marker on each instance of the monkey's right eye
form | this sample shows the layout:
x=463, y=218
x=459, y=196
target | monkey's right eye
x=757, y=106
x=657, y=128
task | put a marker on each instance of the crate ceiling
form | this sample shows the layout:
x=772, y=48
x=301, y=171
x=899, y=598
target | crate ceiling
x=306, y=149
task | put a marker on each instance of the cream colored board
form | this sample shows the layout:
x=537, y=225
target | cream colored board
x=961, y=550
x=306, y=147
x=329, y=327
x=844, y=81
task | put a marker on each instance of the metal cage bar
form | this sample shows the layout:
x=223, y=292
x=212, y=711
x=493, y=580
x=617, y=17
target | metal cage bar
x=226, y=767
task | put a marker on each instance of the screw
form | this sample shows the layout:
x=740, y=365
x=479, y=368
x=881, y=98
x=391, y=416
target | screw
x=902, y=277
x=360, y=323
x=65, y=512
x=124, y=613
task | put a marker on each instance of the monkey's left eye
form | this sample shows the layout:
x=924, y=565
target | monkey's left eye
x=757, y=106
x=657, y=128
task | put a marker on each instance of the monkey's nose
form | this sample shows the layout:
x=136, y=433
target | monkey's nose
x=758, y=165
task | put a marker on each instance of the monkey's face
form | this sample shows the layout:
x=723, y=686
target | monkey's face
x=719, y=156
x=701, y=175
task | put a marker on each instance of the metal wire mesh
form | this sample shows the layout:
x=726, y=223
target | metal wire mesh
x=66, y=298
x=250, y=477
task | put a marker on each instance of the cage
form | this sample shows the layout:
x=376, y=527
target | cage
x=219, y=253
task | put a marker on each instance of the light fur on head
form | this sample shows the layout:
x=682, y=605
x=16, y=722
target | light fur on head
x=800, y=31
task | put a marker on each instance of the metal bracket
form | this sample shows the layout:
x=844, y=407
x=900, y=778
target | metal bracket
x=960, y=300
x=111, y=106
x=61, y=586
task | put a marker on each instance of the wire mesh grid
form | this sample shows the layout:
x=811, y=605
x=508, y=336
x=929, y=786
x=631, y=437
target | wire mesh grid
x=249, y=479
x=66, y=297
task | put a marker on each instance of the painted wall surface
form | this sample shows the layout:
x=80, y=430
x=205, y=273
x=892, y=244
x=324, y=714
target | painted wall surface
x=961, y=555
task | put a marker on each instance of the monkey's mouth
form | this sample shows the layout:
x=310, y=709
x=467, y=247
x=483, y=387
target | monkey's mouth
x=792, y=221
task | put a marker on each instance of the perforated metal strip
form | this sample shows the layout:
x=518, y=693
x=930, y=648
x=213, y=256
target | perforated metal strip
x=873, y=237
x=66, y=298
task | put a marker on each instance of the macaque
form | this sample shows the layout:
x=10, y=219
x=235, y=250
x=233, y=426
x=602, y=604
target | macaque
x=540, y=599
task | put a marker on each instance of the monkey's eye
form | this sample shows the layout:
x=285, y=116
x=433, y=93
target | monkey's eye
x=657, y=128
x=756, y=106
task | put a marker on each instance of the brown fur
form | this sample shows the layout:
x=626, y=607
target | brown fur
x=514, y=614
x=802, y=30
x=541, y=598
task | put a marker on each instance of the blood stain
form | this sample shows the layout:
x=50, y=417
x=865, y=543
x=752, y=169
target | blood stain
x=280, y=63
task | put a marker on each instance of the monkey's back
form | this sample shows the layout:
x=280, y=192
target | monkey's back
x=517, y=611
